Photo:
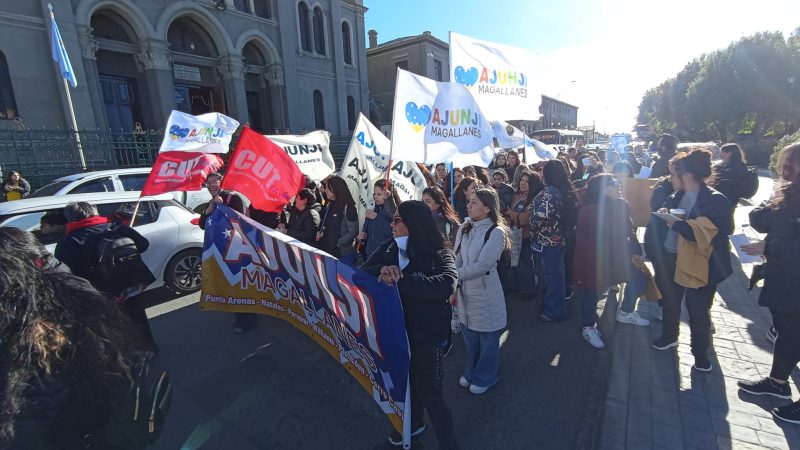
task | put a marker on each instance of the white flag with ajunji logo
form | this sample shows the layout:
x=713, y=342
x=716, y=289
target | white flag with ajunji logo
x=311, y=152
x=507, y=136
x=435, y=122
x=367, y=161
x=206, y=133
x=503, y=79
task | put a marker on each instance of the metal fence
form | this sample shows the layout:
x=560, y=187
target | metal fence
x=44, y=155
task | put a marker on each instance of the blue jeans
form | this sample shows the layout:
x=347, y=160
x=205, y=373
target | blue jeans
x=588, y=299
x=635, y=287
x=555, y=305
x=483, y=356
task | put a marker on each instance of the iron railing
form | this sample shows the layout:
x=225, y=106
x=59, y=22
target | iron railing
x=44, y=155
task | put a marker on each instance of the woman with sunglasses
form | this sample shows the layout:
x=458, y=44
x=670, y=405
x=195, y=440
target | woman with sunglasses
x=422, y=266
x=604, y=247
x=481, y=304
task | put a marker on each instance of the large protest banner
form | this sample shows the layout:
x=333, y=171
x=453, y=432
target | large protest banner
x=311, y=152
x=206, y=133
x=435, y=122
x=359, y=321
x=367, y=161
x=500, y=77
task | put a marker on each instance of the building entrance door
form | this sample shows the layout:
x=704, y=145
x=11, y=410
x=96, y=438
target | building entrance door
x=196, y=100
x=119, y=98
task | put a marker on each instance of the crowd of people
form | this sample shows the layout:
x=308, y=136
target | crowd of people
x=554, y=230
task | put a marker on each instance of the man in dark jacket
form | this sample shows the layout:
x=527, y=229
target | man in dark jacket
x=78, y=250
x=667, y=147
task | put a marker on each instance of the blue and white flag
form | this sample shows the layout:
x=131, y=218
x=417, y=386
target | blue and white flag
x=536, y=151
x=59, y=52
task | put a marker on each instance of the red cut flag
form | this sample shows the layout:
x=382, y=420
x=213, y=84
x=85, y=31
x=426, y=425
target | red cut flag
x=180, y=171
x=263, y=172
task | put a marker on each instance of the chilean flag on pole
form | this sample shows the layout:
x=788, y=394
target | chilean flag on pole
x=180, y=171
x=263, y=172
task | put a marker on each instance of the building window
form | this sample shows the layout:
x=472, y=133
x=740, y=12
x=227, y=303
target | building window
x=401, y=65
x=351, y=113
x=437, y=70
x=319, y=111
x=305, y=32
x=262, y=8
x=8, y=105
x=319, y=31
x=346, y=43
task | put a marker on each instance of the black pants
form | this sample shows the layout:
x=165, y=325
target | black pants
x=134, y=309
x=787, y=347
x=698, y=304
x=427, y=394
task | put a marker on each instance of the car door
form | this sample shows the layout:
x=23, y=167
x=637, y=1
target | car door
x=103, y=184
x=159, y=229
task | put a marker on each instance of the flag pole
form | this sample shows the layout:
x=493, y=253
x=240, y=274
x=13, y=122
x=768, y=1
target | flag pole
x=135, y=211
x=74, y=125
x=55, y=40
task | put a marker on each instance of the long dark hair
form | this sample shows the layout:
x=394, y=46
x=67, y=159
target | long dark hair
x=461, y=189
x=737, y=155
x=55, y=324
x=534, y=185
x=437, y=195
x=341, y=192
x=489, y=199
x=555, y=174
x=787, y=192
x=423, y=235
x=392, y=191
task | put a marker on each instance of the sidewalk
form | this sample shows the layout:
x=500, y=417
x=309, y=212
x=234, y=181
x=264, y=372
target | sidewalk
x=655, y=400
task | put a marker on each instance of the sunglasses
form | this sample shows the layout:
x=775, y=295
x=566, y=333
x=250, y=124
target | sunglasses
x=396, y=220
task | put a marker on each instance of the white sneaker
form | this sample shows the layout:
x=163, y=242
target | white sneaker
x=592, y=336
x=631, y=317
x=463, y=381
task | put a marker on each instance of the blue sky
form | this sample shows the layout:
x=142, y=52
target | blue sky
x=614, y=50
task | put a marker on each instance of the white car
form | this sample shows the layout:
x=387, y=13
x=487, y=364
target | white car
x=176, y=240
x=118, y=180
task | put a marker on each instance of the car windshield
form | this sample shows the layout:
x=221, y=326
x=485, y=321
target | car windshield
x=50, y=189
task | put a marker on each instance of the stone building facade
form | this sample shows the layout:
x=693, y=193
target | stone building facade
x=294, y=65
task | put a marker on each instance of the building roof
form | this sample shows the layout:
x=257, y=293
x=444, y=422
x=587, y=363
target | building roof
x=555, y=100
x=408, y=41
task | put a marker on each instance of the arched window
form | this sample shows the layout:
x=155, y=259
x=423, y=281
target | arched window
x=319, y=31
x=347, y=45
x=263, y=8
x=305, y=33
x=319, y=111
x=351, y=113
x=8, y=105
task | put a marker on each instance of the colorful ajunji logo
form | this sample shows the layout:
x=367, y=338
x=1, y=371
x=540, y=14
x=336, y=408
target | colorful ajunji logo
x=485, y=75
x=418, y=116
x=176, y=132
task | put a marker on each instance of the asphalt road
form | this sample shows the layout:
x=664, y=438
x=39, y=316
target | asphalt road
x=273, y=388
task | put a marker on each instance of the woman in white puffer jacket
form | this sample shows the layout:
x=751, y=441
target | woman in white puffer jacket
x=481, y=305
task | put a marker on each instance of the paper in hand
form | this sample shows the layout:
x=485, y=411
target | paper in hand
x=738, y=240
x=666, y=216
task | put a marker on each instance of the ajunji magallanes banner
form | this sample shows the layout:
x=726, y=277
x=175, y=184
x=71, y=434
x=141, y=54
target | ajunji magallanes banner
x=359, y=321
x=311, y=152
x=206, y=133
x=435, y=122
x=500, y=77
x=367, y=161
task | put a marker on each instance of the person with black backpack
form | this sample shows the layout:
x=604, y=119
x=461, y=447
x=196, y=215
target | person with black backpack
x=72, y=374
x=482, y=249
x=732, y=177
x=109, y=257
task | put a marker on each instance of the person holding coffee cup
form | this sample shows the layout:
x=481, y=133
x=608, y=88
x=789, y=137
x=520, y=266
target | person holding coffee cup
x=692, y=202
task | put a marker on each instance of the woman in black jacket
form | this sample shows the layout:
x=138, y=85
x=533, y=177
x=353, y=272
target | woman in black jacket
x=780, y=219
x=688, y=172
x=339, y=226
x=730, y=175
x=304, y=219
x=64, y=347
x=423, y=267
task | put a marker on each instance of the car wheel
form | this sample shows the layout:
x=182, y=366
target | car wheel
x=182, y=275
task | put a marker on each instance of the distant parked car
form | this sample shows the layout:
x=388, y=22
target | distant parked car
x=118, y=180
x=176, y=240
